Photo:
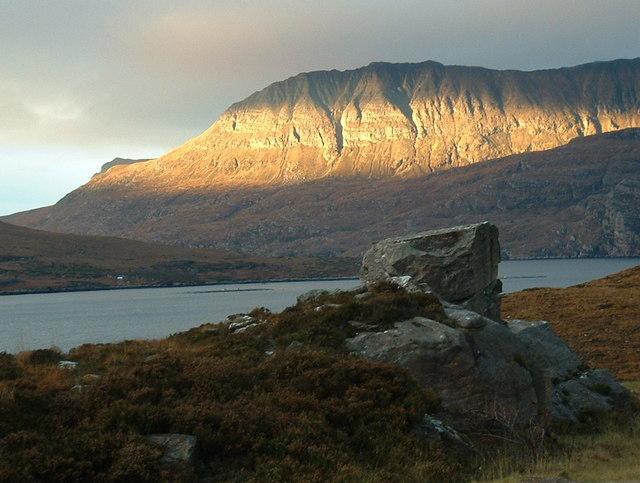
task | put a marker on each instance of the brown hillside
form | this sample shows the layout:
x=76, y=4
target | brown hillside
x=599, y=319
x=34, y=260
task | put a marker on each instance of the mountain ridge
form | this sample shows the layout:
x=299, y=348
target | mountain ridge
x=393, y=120
x=576, y=200
x=293, y=169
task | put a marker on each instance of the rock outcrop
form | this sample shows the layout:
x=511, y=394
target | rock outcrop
x=517, y=373
x=459, y=264
x=482, y=371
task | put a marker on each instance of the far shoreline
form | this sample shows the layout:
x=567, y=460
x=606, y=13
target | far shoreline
x=45, y=291
x=50, y=290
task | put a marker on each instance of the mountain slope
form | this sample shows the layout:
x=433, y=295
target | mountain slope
x=393, y=119
x=119, y=162
x=34, y=260
x=576, y=200
x=324, y=162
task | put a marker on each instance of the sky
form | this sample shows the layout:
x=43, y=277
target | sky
x=84, y=81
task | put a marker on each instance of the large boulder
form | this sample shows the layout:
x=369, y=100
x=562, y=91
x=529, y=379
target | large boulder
x=482, y=371
x=459, y=264
x=517, y=372
x=576, y=393
x=590, y=394
x=542, y=342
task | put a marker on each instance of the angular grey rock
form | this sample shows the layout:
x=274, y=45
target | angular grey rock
x=459, y=264
x=477, y=371
x=67, y=365
x=572, y=401
x=465, y=319
x=178, y=448
x=592, y=393
x=543, y=342
x=245, y=328
x=574, y=394
x=314, y=294
x=435, y=430
x=603, y=382
x=517, y=372
x=240, y=321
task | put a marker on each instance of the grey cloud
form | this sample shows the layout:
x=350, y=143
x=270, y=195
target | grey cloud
x=158, y=72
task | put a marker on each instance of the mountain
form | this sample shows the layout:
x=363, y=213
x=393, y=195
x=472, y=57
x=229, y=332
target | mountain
x=580, y=199
x=325, y=162
x=120, y=162
x=393, y=119
x=34, y=260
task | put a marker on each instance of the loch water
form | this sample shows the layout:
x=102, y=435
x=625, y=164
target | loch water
x=66, y=320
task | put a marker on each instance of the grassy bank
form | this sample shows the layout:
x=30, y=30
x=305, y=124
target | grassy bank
x=611, y=453
x=600, y=319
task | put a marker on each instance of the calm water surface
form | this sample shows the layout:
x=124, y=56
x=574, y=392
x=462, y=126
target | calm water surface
x=70, y=319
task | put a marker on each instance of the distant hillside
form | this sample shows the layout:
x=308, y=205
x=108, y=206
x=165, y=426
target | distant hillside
x=578, y=200
x=34, y=260
x=599, y=319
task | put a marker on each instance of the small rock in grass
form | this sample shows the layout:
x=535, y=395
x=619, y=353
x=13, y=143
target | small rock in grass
x=67, y=365
x=178, y=448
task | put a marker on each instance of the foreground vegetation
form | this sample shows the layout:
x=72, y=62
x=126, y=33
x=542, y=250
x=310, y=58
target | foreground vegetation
x=607, y=453
x=281, y=401
x=278, y=401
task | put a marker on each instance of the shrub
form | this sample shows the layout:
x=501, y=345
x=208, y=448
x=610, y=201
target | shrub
x=260, y=408
x=8, y=367
x=40, y=357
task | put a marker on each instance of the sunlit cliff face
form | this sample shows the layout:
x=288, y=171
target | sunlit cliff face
x=393, y=120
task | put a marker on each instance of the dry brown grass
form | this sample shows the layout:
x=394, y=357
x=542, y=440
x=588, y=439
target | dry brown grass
x=600, y=319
